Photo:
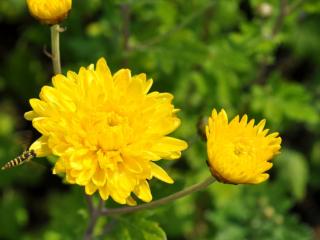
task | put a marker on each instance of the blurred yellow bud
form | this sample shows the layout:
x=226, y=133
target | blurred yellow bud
x=265, y=10
x=49, y=12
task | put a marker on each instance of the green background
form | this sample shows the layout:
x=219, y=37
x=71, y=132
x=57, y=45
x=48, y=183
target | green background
x=256, y=57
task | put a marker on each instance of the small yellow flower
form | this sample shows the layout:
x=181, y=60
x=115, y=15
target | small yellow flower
x=107, y=131
x=239, y=151
x=49, y=11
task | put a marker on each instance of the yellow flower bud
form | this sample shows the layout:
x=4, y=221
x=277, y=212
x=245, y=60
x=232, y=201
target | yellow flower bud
x=239, y=151
x=49, y=12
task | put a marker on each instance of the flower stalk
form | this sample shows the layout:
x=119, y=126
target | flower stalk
x=194, y=188
x=55, y=48
x=94, y=214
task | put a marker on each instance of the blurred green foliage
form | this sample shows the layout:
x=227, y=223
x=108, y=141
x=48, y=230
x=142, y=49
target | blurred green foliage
x=243, y=55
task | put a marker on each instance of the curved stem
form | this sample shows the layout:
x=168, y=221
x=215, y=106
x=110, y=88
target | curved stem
x=94, y=214
x=90, y=204
x=154, y=204
x=55, y=48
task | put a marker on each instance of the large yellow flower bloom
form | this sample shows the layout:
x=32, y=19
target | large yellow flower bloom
x=49, y=11
x=107, y=131
x=239, y=151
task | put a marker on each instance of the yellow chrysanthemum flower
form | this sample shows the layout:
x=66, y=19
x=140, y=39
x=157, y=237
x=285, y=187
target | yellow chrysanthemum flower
x=107, y=131
x=239, y=151
x=49, y=11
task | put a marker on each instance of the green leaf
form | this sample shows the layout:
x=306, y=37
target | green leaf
x=284, y=100
x=312, y=7
x=68, y=218
x=13, y=215
x=294, y=172
x=136, y=227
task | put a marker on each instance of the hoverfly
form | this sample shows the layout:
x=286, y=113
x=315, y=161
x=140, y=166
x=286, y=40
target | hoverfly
x=27, y=155
x=24, y=157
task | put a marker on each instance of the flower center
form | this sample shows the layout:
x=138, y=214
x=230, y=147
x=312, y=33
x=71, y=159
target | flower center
x=114, y=119
x=243, y=147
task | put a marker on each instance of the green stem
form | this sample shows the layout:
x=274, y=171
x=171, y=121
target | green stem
x=94, y=215
x=55, y=48
x=154, y=204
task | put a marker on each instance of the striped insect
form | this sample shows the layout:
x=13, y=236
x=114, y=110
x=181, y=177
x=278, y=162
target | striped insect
x=24, y=157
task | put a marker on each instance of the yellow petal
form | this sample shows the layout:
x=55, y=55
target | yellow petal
x=244, y=120
x=118, y=196
x=224, y=115
x=40, y=107
x=69, y=178
x=65, y=85
x=169, y=148
x=30, y=115
x=84, y=177
x=126, y=182
x=143, y=79
x=122, y=79
x=72, y=77
x=130, y=201
x=90, y=188
x=132, y=165
x=251, y=123
x=59, y=167
x=159, y=173
x=99, y=178
x=104, y=75
x=261, y=178
x=261, y=125
x=41, y=124
x=235, y=120
x=104, y=192
x=40, y=147
x=143, y=191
